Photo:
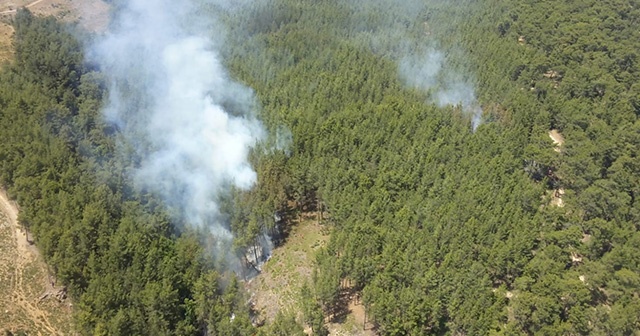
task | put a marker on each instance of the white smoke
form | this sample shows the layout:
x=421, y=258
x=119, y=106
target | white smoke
x=400, y=30
x=427, y=71
x=422, y=72
x=458, y=92
x=192, y=126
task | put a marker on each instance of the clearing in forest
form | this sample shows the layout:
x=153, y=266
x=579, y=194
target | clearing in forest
x=278, y=286
x=92, y=15
x=30, y=302
x=558, y=139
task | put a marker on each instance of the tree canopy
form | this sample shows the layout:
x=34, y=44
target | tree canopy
x=443, y=229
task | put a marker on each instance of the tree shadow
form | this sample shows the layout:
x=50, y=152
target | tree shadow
x=340, y=309
x=285, y=220
x=288, y=218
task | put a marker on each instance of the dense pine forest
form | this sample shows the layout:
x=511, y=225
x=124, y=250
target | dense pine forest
x=441, y=226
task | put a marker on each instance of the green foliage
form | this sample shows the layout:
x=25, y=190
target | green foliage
x=117, y=252
x=312, y=311
x=447, y=231
x=284, y=325
x=443, y=230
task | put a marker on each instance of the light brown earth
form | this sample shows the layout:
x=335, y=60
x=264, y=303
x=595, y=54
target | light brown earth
x=557, y=138
x=556, y=197
x=556, y=194
x=93, y=15
x=24, y=279
x=277, y=287
x=29, y=300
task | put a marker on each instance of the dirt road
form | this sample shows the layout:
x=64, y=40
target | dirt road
x=10, y=11
x=18, y=256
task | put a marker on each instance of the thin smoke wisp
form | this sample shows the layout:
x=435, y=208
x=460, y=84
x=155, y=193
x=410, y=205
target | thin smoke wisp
x=428, y=72
x=400, y=30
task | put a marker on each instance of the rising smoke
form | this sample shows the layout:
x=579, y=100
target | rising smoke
x=401, y=31
x=191, y=125
x=427, y=71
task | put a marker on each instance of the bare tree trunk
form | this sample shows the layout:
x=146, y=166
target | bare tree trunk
x=244, y=269
x=255, y=253
x=364, y=323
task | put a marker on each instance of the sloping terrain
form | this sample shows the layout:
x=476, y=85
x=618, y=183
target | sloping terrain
x=278, y=287
x=27, y=303
x=30, y=301
x=93, y=15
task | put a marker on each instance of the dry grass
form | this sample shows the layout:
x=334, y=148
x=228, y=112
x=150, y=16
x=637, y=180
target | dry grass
x=92, y=15
x=6, y=51
x=23, y=279
x=278, y=286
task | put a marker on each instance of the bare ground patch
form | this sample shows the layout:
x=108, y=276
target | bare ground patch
x=277, y=287
x=6, y=35
x=557, y=138
x=352, y=320
x=24, y=279
x=92, y=15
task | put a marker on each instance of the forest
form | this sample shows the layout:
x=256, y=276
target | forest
x=443, y=225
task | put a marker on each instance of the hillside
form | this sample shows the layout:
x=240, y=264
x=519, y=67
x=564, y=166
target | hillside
x=446, y=230
x=471, y=166
x=92, y=15
x=31, y=303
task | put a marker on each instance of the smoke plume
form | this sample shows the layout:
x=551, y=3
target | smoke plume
x=401, y=30
x=191, y=125
x=427, y=71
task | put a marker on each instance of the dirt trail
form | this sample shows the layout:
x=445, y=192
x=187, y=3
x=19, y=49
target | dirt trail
x=26, y=254
x=10, y=11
